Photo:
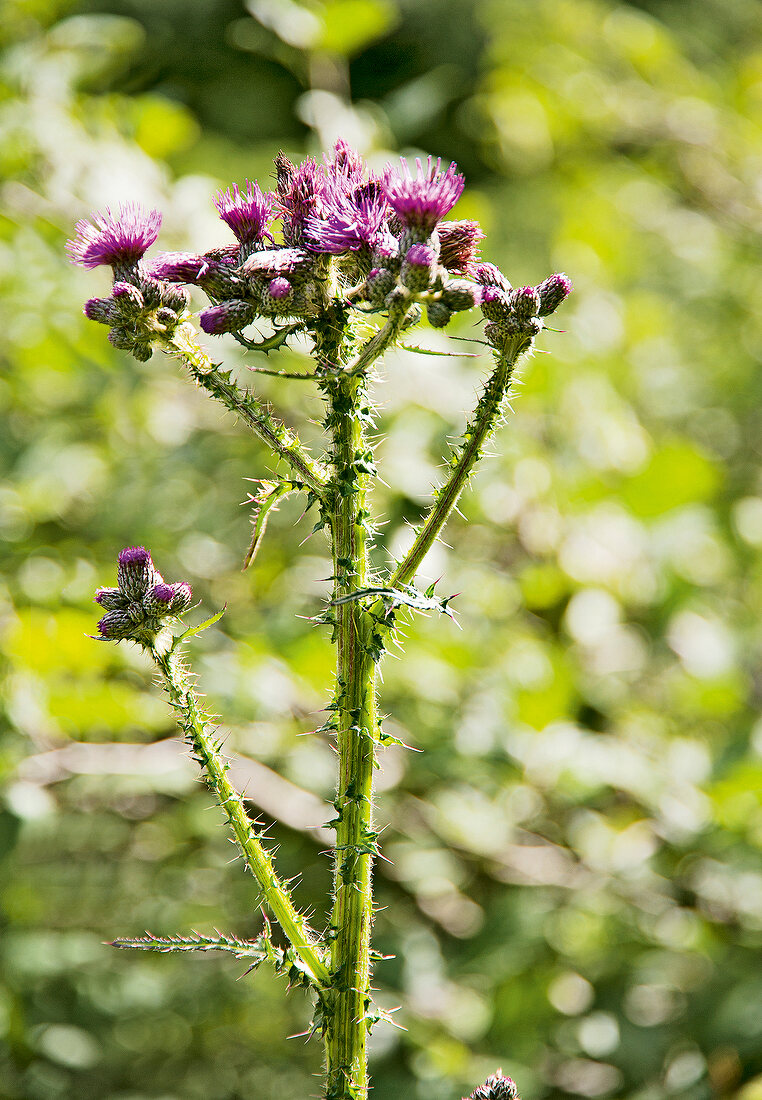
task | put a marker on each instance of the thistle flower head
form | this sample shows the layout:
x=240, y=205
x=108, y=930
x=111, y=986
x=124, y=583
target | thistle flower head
x=346, y=162
x=496, y=1087
x=230, y=316
x=349, y=219
x=300, y=192
x=117, y=239
x=177, y=267
x=422, y=198
x=553, y=291
x=246, y=212
x=459, y=245
x=135, y=572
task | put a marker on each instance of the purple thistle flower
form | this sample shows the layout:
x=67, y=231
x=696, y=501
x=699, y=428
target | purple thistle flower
x=119, y=240
x=349, y=219
x=423, y=199
x=230, y=316
x=300, y=192
x=420, y=255
x=459, y=245
x=415, y=272
x=552, y=291
x=346, y=162
x=280, y=288
x=246, y=212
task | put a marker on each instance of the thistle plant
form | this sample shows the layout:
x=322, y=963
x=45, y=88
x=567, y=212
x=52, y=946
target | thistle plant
x=351, y=247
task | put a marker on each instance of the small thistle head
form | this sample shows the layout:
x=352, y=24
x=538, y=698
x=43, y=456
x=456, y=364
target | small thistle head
x=247, y=212
x=415, y=273
x=230, y=316
x=489, y=275
x=110, y=598
x=135, y=572
x=300, y=191
x=422, y=198
x=116, y=625
x=119, y=239
x=459, y=245
x=167, y=599
x=553, y=291
x=103, y=310
x=496, y=1087
x=178, y=267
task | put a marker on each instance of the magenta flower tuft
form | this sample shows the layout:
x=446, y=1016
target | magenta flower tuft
x=118, y=240
x=300, y=195
x=349, y=219
x=496, y=1087
x=246, y=212
x=422, y=199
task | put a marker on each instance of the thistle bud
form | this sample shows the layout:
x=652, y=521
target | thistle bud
x=461, y=295
x=231, y=316
x=379, y=284
x=103, y=310
x=142, y=351
x=415, y=272
x=157, y=601
x=438, y=314
x=135, y=573
x=552, y=291
x=110, y=598
x=128, y=296
x=121, y=338
x=524, y=302
x=496, y=1087
x=116, y=625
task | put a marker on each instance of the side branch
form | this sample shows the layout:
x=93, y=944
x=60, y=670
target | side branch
x=282, y=440
x=475, y=436
x=275, y=894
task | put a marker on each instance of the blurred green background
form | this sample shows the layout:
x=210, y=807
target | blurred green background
x=575, y=885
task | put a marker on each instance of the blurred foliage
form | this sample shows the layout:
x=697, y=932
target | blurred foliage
x=575, y=884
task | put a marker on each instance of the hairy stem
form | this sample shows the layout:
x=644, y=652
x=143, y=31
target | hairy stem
x=477, y=432
x=282, y=440
x=276, y=896
x=355, y=722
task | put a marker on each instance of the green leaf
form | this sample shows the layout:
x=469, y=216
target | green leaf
x=351, y=25
x=189, y=633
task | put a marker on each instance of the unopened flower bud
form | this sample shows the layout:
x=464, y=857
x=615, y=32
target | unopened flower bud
x=380, y=282
x=495, y=303
x=279, y=288
x=415, y=272
x=116, y=625
x=461, y=295
x=136, y=573
x=175, y=298
x=110, y=598
x=231, y=316
x=128, y=296
x=121, y=338
x=489, y=275
x=142, y=351
x=103, y=310
x=524, y=302
x=552, y=292
x=438, y=314
x=496, y=1087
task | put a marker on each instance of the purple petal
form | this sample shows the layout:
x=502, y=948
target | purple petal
x=114, y=239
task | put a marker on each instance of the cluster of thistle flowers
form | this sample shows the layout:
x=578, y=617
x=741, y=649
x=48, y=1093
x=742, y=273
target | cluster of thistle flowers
x=375, y=240
x=139, y=607
x=141, y=307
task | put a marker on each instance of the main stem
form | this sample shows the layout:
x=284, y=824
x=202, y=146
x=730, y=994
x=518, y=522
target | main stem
x=355, y=721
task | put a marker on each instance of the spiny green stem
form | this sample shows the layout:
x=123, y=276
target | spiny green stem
x=275, y=894
x=282, y=440
x=477, y=433
x=356, y=723
x=383, y=339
